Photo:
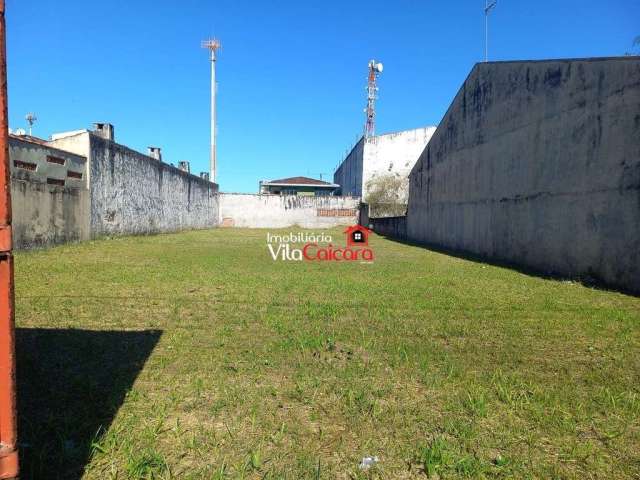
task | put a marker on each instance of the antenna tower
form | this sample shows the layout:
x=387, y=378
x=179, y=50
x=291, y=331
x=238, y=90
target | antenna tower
x=31, y=119
x=375, y=69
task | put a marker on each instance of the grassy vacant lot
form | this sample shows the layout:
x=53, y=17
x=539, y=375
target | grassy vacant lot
x=196, y=356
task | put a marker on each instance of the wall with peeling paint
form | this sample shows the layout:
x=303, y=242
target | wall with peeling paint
x=49, y=195
x=538, y=164
x=281, y=211
x=132, y=193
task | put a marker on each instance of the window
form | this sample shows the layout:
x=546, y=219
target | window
x=55, y=181
x=56, y=160
x=77, y=175
x=25, y=165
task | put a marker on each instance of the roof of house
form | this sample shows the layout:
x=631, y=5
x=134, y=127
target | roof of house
x=298, y=181
x=29, y=138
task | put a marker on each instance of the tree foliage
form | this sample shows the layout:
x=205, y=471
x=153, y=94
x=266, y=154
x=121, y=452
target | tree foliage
x=387, y=196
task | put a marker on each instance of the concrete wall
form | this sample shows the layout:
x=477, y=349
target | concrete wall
x=49, y=197
x=363, y=215
x=132, y=193
x=389, y=154
x=538, y=163
x=280, y=211
x=394, y=154
x=395, y=227
x=349, y=173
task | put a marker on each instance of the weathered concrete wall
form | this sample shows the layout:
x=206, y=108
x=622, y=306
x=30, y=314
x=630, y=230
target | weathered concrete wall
x=363, y=215
x=132, y=193
x=49, y=197
x=395, y=227
x=349, y=173
x=538, y=164
x=389, y=154
x=393, y=154
x=280, y=211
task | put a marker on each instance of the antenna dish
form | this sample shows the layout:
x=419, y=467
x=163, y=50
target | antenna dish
x=379, y=67
x=31, y=119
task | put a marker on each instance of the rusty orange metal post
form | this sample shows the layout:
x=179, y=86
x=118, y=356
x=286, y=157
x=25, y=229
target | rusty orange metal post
x=8, y=437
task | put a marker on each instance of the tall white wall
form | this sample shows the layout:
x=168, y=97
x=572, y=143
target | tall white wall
x=281, y=211
x=395, y=154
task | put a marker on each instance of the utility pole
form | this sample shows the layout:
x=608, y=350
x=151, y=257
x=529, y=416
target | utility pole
x=213, y=45
x=488, y=6
x=8, y=435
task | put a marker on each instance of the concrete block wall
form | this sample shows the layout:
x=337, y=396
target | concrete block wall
x=132, y=193
x=281, y=211
x=538, y=163
x=49, y=195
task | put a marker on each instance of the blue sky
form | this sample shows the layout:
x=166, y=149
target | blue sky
x=291, y=73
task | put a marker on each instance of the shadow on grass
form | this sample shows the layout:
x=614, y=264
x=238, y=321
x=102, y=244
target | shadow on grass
x=591, y=280
x=71, y=383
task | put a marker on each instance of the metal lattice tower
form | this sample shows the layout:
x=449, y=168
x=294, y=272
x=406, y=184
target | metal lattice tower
x=375, y=69
x=213, y=45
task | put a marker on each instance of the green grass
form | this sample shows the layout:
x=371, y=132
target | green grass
x=195, y=355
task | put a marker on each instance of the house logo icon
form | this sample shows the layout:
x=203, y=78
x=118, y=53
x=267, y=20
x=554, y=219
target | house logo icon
x=357, y=236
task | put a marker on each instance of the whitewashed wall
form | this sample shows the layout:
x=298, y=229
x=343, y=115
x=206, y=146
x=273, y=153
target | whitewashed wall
x=393, y=153
x=281, y=211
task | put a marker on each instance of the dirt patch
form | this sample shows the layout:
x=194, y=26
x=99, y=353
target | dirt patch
x=337, y=353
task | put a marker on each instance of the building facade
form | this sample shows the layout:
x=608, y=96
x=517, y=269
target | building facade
x=49, y=194
x=82, y=184
x=297, y=186
x=392, y=154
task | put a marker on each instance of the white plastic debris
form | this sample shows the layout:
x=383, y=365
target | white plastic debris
x=368, y=462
